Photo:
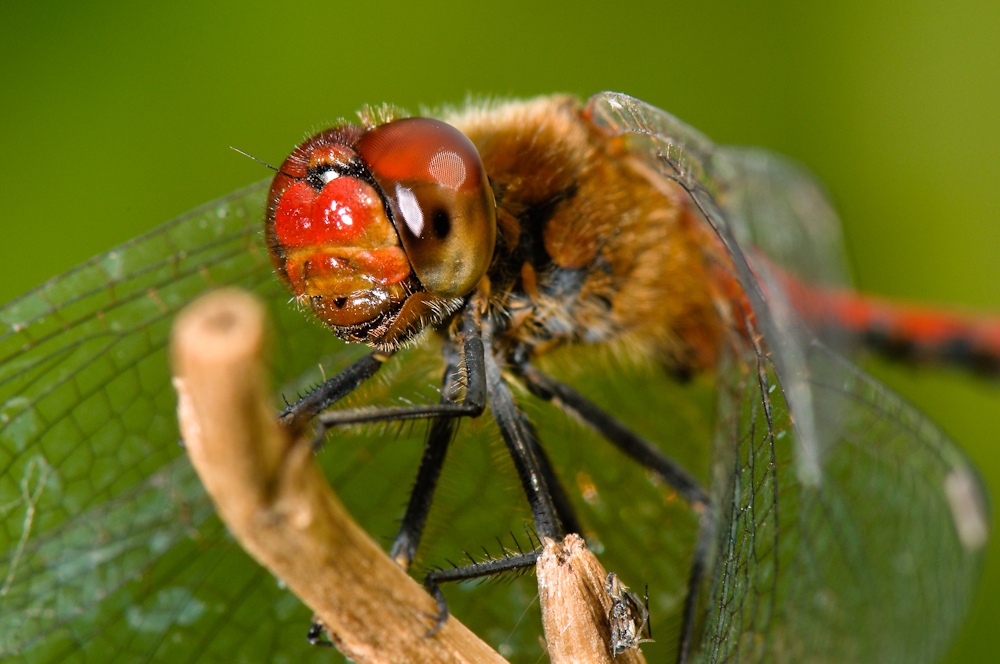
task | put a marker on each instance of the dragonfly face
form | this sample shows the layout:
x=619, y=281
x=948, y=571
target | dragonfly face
x=332, y=241
x=619, y=232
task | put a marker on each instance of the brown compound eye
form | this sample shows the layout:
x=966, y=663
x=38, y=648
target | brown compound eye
x=441, y=200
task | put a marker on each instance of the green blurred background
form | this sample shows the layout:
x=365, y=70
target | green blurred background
x=115, y=119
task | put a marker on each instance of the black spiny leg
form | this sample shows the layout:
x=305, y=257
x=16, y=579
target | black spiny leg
x=441, y=433
x=471, y=406
x=299, y=413
x=332, y=391
x=649, y=456
x=551, y=510
x=633, y=445
x=564, y=508
x=521, y=444
x=447, y=412
x=477, y=570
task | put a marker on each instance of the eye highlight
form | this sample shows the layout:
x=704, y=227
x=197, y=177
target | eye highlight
x=441, y=200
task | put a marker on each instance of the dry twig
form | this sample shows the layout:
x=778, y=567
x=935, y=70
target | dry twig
x=279, y=506
x=277, y=503
x=575, y=605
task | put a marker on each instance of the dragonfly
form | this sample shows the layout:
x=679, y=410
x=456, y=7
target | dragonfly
x=843, y=524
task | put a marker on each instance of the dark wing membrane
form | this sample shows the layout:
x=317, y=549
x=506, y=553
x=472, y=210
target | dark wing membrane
x=849, y=527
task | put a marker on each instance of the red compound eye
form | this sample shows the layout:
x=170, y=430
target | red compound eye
x=441, y=200
x=343, y=212
x=378, y=229
x=330, y=237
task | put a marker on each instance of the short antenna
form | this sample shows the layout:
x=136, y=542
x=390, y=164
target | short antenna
x=264, y=163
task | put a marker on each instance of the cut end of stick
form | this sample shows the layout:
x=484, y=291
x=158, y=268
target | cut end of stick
x=575, y=605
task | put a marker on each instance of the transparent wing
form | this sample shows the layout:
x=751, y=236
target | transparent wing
x=101, y=511
x=770, y=202
x=110, y=549
x=849, y=527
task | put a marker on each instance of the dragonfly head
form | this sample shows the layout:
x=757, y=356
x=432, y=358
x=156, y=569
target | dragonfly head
x=382, y=231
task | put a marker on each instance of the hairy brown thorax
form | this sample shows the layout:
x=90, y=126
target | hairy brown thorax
x=527, y=210
x=588, y=249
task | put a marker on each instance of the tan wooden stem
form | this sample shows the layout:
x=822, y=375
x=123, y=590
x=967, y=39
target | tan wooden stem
x=575, y=605
x=278, y=504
